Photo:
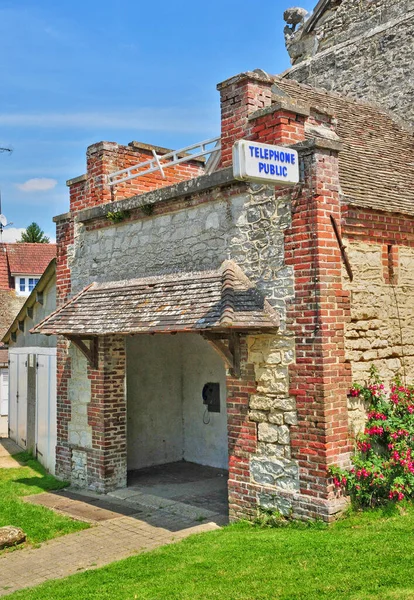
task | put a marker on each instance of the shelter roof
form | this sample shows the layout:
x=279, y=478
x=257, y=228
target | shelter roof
x=4, y=356
x=376, y=165
x=182, y=302
x=29, y=259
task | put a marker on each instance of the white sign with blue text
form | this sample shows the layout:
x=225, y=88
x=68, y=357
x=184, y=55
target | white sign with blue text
x=265, y=163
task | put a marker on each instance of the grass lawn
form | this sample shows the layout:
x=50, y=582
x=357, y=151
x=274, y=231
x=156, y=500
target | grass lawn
x=364, y=557
x=37, y=522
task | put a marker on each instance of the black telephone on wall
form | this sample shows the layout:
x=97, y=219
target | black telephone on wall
x=211, y=397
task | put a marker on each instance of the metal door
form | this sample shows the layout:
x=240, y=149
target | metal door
x=18, y=398
x=4, y=392
x=46, y=411
x=22, y=401
x=13, y=379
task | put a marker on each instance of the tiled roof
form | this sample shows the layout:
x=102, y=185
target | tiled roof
x=4, y=355
x=4, y=268
x=206, y=300
x=10, y=304
x=376, y=166
x=29, y=259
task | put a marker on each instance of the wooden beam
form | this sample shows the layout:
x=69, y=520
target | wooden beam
x=231, y=353
x=342, y=249
x=89, y=351
x=234, y=346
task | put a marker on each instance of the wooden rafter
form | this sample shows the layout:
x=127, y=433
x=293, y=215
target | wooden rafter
x=342, y=249
x=89, y=351
x=229, y=352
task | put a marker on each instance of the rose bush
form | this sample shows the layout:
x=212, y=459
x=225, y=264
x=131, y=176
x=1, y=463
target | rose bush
x=383, y=464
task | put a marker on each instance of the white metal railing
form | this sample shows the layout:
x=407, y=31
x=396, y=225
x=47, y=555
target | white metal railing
x=161, y=162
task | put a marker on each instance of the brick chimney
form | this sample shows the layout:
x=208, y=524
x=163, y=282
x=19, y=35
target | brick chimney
x=241, y=96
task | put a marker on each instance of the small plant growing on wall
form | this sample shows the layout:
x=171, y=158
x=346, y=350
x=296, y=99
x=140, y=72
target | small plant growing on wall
x=147, y=209
x=117, y=216
x=383, y=464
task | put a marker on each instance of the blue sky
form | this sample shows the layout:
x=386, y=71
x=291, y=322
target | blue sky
x=75, y=73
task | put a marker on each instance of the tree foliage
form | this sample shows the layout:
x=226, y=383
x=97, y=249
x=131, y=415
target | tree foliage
x=34, y=235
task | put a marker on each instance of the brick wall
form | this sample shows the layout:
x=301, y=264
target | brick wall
x=242, y=438
x=64, y=241
x=107, y=461
x=321, y=378
x=63, y=411
x=106, y=158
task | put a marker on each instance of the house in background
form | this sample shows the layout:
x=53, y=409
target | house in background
x=21, y=266
x=32, y=374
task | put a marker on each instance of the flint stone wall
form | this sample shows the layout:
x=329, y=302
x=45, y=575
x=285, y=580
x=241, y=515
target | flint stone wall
x=248, y=228
x=362, y=49
x=381, y=329
x=79, y=394
x=274, y=411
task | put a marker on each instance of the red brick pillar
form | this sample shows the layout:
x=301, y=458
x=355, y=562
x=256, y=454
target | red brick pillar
x=240, y=96
x=320, y=378
x=64, y=239
x=63, y=410
x=107, y=461
x=242, y=439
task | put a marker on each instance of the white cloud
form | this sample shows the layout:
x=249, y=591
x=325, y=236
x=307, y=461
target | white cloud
x=147, y=119
x=38, y=184
x=12, y=234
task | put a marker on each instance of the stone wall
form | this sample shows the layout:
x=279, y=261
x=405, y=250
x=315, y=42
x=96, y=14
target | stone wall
x=273, y=410
x=79, y=394
x=362, y=49
x=381, y=329
x=247, y=226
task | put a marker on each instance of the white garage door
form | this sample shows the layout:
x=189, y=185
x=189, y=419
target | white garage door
x=18, y=398
x=46, y=410
x=4, y=392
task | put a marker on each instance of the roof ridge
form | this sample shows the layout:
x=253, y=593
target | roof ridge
x=406, y=126
x=227, y=293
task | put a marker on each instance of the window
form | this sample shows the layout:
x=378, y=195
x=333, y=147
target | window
x=32, y=283
x=25, y=285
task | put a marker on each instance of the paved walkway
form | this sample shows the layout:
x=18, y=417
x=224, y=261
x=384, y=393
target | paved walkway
x=107, y=542
x=126, y=523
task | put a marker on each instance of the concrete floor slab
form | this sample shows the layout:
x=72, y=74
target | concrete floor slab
x=4, y=426
x=7, y=450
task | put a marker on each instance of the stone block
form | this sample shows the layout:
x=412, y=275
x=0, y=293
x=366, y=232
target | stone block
x=262, y=402
x=291, y=418
x=11, y=536
x=258, y=416
x=276, y=418
x=285, y=404
x=284, y=435
x=268, y=433
x=277, y=472
x=276, y=503
x=272, y=450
